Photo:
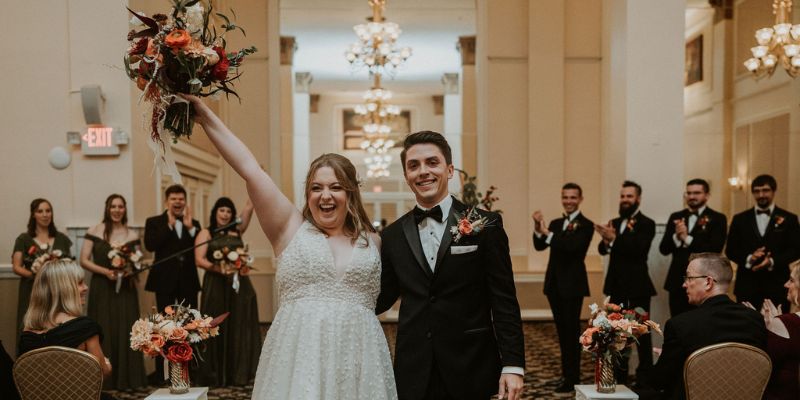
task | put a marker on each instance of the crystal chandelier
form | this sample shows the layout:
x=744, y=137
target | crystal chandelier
x=377, y=115
x=779, y=44
x=376, y=48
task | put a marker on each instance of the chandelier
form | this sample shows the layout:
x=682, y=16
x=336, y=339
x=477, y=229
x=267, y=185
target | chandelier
x=779, y=44
x=376, y=48
x=377, y=115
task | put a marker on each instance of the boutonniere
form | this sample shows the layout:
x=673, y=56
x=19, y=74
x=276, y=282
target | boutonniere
x=572, y=226
x=631, y=223
x=702, y=222
x=469, y=223
x=778, y=220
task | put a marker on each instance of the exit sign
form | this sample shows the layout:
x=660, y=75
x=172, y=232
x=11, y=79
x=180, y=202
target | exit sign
x=98, y=140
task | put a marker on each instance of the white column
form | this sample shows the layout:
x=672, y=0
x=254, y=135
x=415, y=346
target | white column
x=301, y=144
x=643, y=101
x=452, y=123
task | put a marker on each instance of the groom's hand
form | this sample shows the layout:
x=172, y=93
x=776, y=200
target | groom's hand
x=511, y=386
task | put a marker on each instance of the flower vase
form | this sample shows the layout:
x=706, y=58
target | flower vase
x=604, y=379
x=178, y=377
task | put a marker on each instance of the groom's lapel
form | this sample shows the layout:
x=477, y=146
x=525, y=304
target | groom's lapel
x=411, y=232
x=447, y=239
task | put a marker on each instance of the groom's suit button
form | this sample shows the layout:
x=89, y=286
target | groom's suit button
x=428, y=335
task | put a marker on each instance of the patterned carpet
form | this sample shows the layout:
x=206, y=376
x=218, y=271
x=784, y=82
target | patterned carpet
x=541, y=358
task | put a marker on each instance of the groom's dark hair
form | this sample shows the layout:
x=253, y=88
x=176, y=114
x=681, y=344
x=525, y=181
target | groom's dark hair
x=423, y=137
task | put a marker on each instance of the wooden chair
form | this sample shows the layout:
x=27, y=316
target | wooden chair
x=731, y=371
x=57, y=372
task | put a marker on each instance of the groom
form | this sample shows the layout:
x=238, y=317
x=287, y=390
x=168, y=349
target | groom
x=460, y=333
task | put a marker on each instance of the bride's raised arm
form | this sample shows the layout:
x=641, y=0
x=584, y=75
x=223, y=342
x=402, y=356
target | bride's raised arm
x=279, y=218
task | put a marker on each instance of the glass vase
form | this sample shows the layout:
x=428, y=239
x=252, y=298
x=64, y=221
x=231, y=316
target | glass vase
x=604, y=379
x=178, y=377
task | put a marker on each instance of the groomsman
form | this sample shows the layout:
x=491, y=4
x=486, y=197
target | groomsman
x=166, y=234
x=627, y=240
x=695, y=229
x=763, y=241
x=565, y=282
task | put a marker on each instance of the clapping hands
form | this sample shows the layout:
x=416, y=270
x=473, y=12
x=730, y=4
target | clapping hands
x=607, y=232
x=681, y=230
x=539, y=225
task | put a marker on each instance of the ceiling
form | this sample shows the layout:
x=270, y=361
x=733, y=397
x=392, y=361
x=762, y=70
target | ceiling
x=323, y=30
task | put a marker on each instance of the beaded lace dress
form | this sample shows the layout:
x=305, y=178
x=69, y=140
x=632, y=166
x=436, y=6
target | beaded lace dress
x=325, y=341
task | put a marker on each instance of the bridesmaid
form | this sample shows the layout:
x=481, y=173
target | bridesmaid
x=41, y=236
x=232, y=358
x=114, y=312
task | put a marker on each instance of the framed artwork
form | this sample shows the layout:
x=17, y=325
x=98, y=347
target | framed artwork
x=353, y=135
x=693, y=67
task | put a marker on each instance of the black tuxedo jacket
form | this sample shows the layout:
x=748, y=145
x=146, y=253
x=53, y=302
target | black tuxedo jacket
x=717, y=320
x=782, y=239
x=465, y=315
x=627, y=275
x=180, y=272
x=707, y=237
x=566, y=268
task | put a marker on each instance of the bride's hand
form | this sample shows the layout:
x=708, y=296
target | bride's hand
x=201, y=109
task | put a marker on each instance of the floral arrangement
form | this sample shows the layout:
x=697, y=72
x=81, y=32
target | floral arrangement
x=631, y=223
x=38, y=255
x=173, y=333
x=702, y=222
x=779, y=220
x=125, y=259
x=472, y=197
x=572, y=225
x=180, y=53
x=612, y=330
x=470, y=223
x=233, y=262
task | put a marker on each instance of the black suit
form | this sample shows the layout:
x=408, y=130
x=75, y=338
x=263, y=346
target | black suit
x=628, y=281
x=717, y=320
x=175, y=279
x=459, y=324
x=708, y=236
x=781, y=238
x=566, y=284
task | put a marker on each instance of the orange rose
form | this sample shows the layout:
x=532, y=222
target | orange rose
x=615, y=316
x=178, y=334
x=190, y=326
x=180, y=352
x=169, y=310
x=465, y=227
x=586, y=338
x=157, y=341
x=178, y=39
x=150, y=351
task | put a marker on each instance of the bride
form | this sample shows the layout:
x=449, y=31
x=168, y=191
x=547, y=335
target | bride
x=325, y=341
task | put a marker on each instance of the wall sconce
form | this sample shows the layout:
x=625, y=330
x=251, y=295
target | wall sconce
x=735, y=183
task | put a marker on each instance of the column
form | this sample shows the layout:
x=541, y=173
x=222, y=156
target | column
x=452, y=123
x=469, y=106
x=288, y=47
x=300, y=140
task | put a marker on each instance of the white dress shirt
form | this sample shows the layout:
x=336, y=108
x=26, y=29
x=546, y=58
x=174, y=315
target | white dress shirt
x=762, y=222
x=567, y=220
x=431, y=233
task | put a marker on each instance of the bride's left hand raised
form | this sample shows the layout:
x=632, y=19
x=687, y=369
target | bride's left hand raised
x=200, y=108
x=511, y=386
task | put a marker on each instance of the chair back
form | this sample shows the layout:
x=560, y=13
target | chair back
x=732, y=371
x=57, y=372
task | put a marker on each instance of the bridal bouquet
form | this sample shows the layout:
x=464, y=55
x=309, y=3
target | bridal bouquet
x=233, y=261
x=38, y=255
x=611, y=332
x=181, y=53
x=125, y=259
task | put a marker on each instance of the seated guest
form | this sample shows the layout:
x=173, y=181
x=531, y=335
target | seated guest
x=783, y=342
x=54, y=314
x=716, y=319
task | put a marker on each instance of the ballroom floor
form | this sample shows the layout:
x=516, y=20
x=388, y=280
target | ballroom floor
x=541, y=357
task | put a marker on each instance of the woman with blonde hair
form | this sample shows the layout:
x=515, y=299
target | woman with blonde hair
x=325, y=341
x=54, y=314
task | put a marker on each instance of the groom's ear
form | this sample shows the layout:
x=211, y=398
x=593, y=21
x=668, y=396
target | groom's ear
x=450, y=171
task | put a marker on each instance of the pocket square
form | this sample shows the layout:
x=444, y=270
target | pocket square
x=463, y=249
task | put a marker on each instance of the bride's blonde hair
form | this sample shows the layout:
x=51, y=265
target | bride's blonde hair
x=794, y=275
x=55, y=290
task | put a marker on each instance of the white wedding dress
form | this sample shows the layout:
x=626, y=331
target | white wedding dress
x=325, y=341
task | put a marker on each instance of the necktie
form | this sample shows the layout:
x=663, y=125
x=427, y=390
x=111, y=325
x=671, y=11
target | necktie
x=420, y=214
x=760, y=211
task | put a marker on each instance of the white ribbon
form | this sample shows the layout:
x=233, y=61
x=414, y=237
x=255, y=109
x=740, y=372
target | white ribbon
x=119, y=281
x=236, y=281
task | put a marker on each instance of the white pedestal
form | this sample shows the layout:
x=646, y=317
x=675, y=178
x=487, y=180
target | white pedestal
x=589, y=392
x=195, y=393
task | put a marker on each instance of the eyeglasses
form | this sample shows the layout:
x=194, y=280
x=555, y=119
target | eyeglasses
x=686, y=278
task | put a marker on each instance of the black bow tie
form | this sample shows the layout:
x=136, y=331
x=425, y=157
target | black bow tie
x=420, y=214
x=765, y=212
x=695, y=213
